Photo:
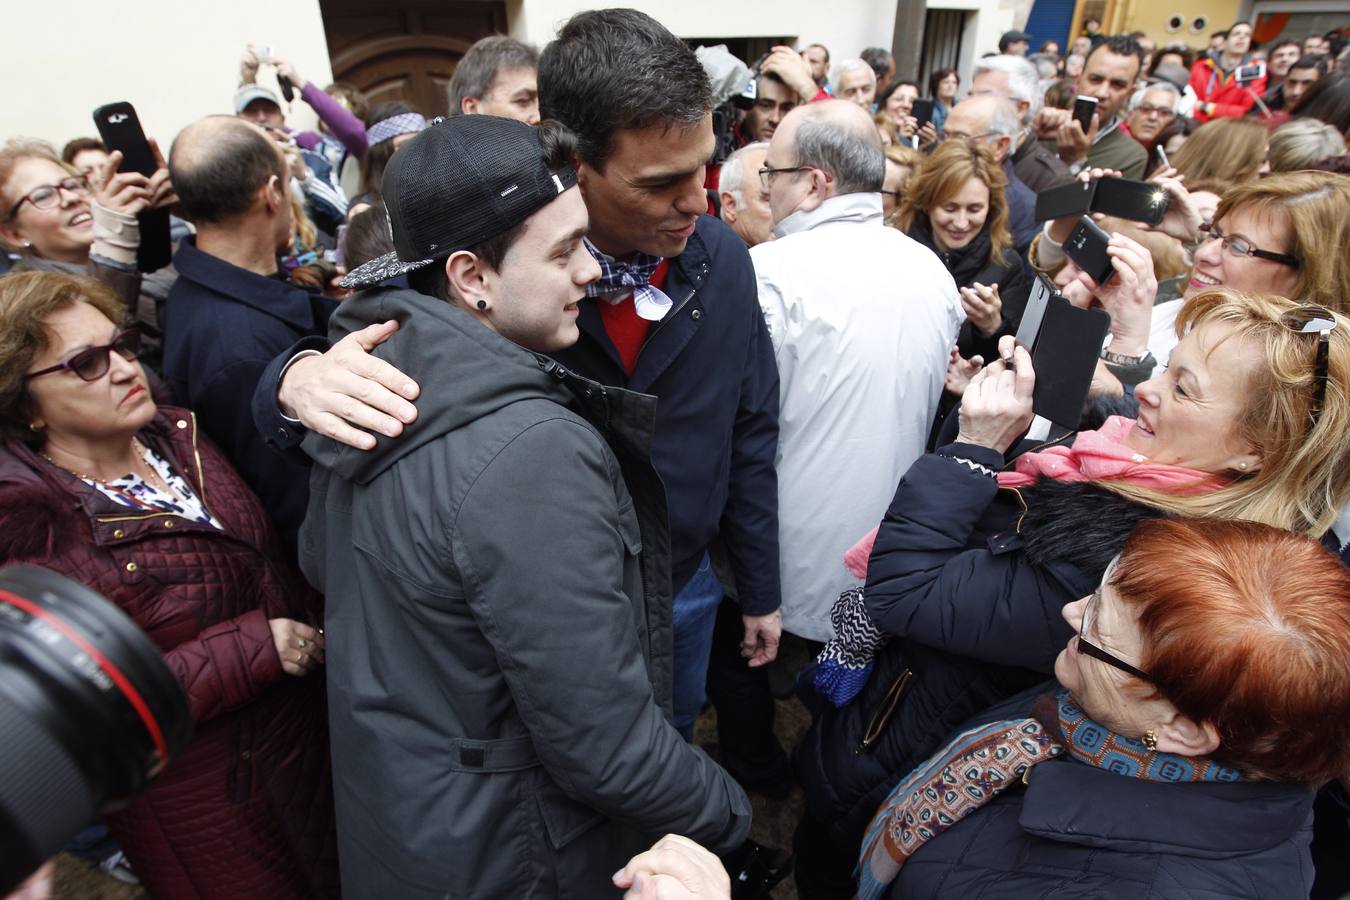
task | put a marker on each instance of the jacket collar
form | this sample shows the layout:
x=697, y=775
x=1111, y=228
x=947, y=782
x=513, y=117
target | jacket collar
x=269, y=296
x=856, y=208
x=1074, y=803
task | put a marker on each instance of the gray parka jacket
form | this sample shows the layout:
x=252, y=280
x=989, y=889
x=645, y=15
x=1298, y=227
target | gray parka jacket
x=498, y=628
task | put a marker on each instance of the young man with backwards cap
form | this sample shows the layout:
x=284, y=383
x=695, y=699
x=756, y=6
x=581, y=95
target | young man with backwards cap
x=497, y=576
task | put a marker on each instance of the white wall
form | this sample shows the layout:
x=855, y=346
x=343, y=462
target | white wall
x=176, y=61
x=844, y=26
x=983, y=29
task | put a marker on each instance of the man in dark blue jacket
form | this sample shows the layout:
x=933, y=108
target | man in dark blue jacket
x=675, y=314
x=231, y=311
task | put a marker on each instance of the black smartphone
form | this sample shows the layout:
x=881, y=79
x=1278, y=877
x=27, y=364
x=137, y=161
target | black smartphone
x=1250, y=72
x=1064, y=342
x=1125, y=198
x=120, y=128
x=922, y=111
x=1066, y=200
x=1086, y=246
x=1083, y=108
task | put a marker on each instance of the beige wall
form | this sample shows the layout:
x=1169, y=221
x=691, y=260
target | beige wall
x=175, y=60
x=1151, y=16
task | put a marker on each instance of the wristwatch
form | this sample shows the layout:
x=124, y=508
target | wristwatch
x=1120, y=359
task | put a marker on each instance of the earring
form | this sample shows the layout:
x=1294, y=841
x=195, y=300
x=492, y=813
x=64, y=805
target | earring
x=26, y=244
x=482, y=304
x=33, y=427
x=1242, y=466
x=1150, y=740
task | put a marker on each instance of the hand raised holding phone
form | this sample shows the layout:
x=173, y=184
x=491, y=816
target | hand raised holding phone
x=996, y=406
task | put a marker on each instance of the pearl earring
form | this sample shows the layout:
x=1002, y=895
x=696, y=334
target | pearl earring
x=1242, y=466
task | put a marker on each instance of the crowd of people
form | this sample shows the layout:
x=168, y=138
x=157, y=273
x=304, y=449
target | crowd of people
x=453, y=499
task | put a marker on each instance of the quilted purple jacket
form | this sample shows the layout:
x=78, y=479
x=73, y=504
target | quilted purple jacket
x=246, y=810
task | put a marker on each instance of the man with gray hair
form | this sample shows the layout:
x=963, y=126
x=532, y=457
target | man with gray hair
x=497, y=77
x=1152, y=109
x=992, y=122
x=853, y=80
x=743, y=200
x=1016, y=79
x=862, y=320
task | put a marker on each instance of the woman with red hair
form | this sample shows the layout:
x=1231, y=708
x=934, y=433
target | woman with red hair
x=1205, y=696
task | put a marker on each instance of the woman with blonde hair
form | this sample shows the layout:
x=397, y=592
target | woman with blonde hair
x=1228, y=150
x=1298, y=144
x=982, y=547
x=955, y=205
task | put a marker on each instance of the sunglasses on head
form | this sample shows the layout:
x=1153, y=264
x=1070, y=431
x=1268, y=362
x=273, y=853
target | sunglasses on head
x=93, y=363
x=1320, y=321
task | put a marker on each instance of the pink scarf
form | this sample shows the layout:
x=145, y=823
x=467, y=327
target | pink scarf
x=1099, y=455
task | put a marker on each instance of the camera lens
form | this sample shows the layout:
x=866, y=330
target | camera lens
x=89, y=713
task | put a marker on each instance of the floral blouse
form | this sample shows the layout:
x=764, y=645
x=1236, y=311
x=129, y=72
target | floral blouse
x=134, y=491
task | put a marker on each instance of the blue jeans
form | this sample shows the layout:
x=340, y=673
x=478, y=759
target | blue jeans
x=694, y=614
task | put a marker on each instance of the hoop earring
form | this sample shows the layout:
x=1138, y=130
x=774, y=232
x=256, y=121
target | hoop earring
x=1150, y=740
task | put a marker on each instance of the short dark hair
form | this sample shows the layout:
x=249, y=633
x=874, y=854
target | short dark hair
x=880, y=59
x=367, y=236
x=1312, y=61
x=936, y=78
x=223, y=174
x=378, y=155
x=1121, y=45
x=557, y=147
x=1280, y=44
x=475, y=73
x=611, y=70
x=79, y=145
x=1222, y=34
x=1328, y=100
x=893, y=87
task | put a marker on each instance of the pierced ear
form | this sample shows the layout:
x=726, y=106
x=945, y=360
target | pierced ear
x=468, y=277
x=1247, y=463
x=13, y=235
x=1186, y=737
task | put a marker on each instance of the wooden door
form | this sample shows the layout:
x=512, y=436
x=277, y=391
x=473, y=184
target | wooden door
x=408, y=49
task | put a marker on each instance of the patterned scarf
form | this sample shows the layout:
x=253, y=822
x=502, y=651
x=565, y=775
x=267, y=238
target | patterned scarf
x=618, y=278
x=845, y=663
x=980, y=764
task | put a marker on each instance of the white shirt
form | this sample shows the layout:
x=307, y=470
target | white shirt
x=862, y=319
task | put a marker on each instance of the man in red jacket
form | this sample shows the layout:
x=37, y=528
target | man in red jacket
x=1221, y=86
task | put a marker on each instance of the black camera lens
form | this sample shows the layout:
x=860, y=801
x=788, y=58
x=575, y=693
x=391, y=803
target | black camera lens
x=89, y=713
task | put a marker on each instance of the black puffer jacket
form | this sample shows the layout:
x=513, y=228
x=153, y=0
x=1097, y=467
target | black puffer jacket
x=973, y=578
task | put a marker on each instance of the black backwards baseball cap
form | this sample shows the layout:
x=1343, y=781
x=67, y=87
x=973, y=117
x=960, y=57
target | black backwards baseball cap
x=458, y=183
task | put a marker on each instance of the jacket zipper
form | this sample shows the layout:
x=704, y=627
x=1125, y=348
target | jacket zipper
x=668, y=317
x=201, y=489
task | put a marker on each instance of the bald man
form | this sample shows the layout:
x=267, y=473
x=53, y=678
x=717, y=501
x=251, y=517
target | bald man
x=830, y=293
x=232, y=310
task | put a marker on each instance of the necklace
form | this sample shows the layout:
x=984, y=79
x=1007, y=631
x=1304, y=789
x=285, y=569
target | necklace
x=155, y=480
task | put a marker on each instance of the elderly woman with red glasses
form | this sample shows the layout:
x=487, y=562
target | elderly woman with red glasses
x=103, y=486
x=1205, y=697
x=57, y=219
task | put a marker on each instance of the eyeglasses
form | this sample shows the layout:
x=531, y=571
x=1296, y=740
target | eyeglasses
x=766, y=173
x=48, y=196
x=1147, y=110
x=973, y=138
x=1087, y=648
x=1240, y=247
x=1320, y=321
x=93, y=363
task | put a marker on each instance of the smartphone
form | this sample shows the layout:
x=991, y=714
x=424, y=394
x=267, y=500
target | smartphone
x=1125, y=198
x=922, y=111
x=283, y=82
x=1162, y=156
x=120, y=128
x=1066, y=200
x=1083, y=108
x=1063, y=342
x=1086, y=246
x=1250, y=72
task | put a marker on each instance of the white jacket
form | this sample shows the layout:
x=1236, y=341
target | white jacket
x=862, y=319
